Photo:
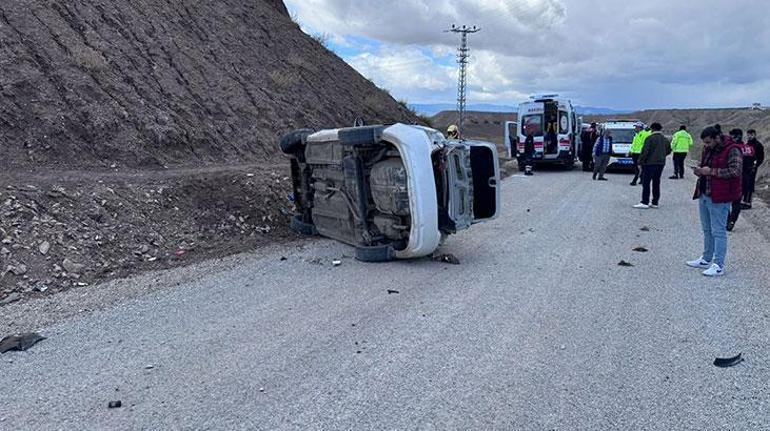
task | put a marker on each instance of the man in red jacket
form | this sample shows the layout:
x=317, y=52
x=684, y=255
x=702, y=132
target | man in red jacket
x=719, y=184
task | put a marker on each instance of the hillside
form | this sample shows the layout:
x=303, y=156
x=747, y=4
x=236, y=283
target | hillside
x=144, y=135
x=89, y=83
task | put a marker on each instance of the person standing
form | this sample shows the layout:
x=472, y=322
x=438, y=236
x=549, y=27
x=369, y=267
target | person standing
x=636, y=149
x=602, y=152
x=653, y=160
x=736, y=138
x=681, y=143
x=587, y=140
x=750, y=176
x=452, y=132
x=719, y=184
x=529, y=152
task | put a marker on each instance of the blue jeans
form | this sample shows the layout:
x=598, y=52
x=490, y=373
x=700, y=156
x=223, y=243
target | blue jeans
x=713, y=218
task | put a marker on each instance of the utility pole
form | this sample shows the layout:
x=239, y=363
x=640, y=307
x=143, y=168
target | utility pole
x=463, y=53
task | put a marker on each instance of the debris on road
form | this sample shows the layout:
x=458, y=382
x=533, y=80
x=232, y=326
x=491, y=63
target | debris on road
x=645, y=229
x=336, y=262
x=625, y=264
x=20, y=342
x=446, y=258
x=115, y=404
x=284, y=258
x=391, y=292
x=728, y=362
x=641, y=249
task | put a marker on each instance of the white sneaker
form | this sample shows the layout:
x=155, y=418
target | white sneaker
x=642, y=206
x=714, y=271
x=699, y=263
x=654, y=207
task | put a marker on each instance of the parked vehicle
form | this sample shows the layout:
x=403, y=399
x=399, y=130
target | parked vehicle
x=622, y=136
x=392, y=192
x=555, y=125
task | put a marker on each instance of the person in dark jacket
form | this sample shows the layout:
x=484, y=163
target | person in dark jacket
x=750, y=170
x=653, y=160
x=587, y=140
x=602, y=153
x=529, y=151
x=719, y=184
x=736, y=136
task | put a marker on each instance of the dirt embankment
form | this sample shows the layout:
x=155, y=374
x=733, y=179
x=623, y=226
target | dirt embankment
x=139, y=135
x=148, y=84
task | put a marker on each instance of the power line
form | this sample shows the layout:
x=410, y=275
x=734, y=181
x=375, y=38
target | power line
x=463, y=53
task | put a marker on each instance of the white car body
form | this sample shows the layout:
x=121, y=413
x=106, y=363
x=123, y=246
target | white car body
x=464, y=199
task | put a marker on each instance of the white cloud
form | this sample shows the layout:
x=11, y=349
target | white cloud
x=660, y=52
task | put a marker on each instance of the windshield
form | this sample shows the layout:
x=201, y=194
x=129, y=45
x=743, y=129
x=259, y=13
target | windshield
x=623, y=136
x=533, y=123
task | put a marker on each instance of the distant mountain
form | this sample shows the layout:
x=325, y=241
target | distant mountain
x=431, y=110
x=589, y=110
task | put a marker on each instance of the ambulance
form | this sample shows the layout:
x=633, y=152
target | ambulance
x=555, y=126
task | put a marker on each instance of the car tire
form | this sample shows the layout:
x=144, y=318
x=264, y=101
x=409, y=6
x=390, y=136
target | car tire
x=375, y=253
x=367, y=135
x=294, y=142
x=302, y=228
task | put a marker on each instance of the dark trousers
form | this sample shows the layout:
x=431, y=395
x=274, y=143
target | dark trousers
x=637, y=168
x=749, y=182
x=735, y=212
x=679, y=159
x=651, y=176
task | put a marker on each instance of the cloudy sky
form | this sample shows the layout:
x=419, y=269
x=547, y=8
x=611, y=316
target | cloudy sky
x=607, y=53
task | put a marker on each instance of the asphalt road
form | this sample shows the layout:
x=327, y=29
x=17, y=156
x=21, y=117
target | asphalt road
x=538, y=328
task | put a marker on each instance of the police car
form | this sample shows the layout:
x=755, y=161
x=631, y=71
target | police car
x=622, y=137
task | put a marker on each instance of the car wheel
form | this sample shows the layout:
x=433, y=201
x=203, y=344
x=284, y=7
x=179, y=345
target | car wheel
x=375, y=253
x=294, y=142
x=302, y=228
x=367, y=135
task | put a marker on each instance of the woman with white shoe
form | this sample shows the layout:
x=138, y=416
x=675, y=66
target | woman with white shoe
x=719, y=184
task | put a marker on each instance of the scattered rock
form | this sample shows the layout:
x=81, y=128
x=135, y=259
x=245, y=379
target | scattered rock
x=72, y=267
x=336, y=262
x=10, y=299
x=284, y=258
x=149, y=367
x=391, y=292
x=114, y=404
x=645, y=229
x=641, y=249
x=19, y=270
x=624, y=263
x=44, y=247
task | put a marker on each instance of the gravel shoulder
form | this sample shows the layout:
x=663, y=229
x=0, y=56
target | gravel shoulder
x=538, y=328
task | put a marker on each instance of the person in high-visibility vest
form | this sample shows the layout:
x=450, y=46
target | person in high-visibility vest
x=681, y=143
x=636, y=149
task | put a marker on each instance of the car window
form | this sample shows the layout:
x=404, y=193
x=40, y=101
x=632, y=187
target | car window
x=532, y=123
x=623, y=136
x=563, y=123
